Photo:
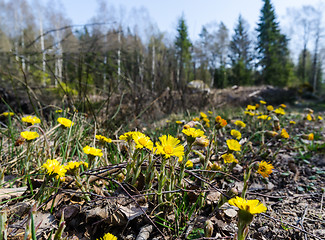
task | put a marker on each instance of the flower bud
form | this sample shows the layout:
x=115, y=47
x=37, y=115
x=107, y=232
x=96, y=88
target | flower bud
x=276, y=124
x=208, y=228
x=120, y=177
x=309, y=110
x=232, y=192
x=202, y=141
x=190, y=124
x=215, y=166
x=309, y=136
x=271, y=133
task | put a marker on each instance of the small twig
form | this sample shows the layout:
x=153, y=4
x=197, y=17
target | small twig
x=315, y=220
x=63, y=28
x=45, y=138
x=207, y=182
x=321, y=201
x=302, y=221
x=264, y=195
x=212, y=171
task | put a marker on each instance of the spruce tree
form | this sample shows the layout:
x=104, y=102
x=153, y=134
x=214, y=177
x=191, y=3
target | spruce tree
x=272, y=49
x=183, y=53
x=240, y=55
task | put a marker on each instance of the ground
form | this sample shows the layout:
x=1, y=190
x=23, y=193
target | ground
x=294, y=193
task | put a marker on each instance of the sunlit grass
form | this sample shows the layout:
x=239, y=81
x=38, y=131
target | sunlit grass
x=162, y=162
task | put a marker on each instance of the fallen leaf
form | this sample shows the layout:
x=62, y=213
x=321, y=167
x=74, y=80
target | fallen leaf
x=7, y=193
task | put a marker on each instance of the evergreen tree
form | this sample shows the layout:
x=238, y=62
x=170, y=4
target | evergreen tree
x=272, y=49
x=183, y=53
x=240, y=55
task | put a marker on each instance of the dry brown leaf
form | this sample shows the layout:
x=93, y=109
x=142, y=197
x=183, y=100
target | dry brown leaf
x=132, y=210
x=58, y=199
x=7, y=193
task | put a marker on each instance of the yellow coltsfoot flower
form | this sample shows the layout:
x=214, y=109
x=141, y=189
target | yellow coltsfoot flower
x=220, y=122
x=93, y=151
x=73, y=165
x=169, y=146
x=206, y=120
x=250, y=206
x=247, y=210
x=310, y=117
x=279, y=111
x=233, y=145
x=193, y=132
x=31, y=120
x=65, y=122
x=236, y=134
x=126, y=136
x=284, y=133
x=142, y=141
x=249, y=113
x=108, y=236
x=203, y=115
x=28, y=135
x=264, y=117
x=53, y=167
x=103, y=138
x=283, y=105
x=270, y=108
x=250, y=108
x=6, y=114
x=229, y=158
x=196, y=119
x=189, y=164
x=240, y=123
x=265, y=169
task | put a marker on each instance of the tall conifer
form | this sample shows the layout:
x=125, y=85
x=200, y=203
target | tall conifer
x=240, y=54
x=272, y=49
x=183, y=52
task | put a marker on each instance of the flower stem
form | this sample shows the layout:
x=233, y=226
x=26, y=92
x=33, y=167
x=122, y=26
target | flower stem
x=246, y=180
x=182, y=170
x=242, y=230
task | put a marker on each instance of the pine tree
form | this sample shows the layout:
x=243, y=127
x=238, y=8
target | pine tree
x=240, y=55
x=183, y=53
x=272, y=49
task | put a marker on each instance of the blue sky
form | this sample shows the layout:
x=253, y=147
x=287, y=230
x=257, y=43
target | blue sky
x=197, y=13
